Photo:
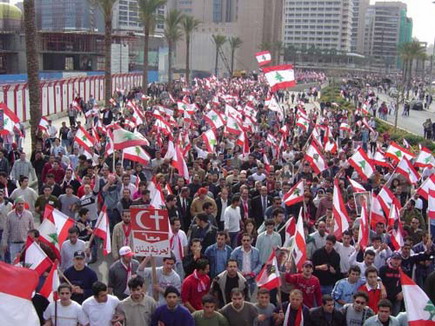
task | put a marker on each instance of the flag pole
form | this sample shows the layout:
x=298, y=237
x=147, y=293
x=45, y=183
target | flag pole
x=62, y=275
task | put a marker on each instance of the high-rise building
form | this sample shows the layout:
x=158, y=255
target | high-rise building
x=390, y=28
x=323, y=24
x=358, y=24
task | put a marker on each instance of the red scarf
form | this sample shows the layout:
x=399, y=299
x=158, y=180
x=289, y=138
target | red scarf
x=127, y=230
x=202, y=286
x=180, y=247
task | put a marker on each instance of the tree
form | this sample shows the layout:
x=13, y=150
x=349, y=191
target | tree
x=107, y=8
x=219, y=41
x=409, y=52
x=32, y=67
x=172, y=34
x=235, y=43
x=149, y=17
x=190, y=24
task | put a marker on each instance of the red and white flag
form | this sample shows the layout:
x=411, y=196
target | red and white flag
x=394, y=215
x=233, y=126
x=299, y=250
x=431, y=204
x=179, y=163
x=209, y=138
x=123, y=138
x=419, y=308
x=11, y=123
x=295, y=194
x=35, y=258
x=269, y=276
x=397, y=152
x=17, y=285
x=376, y=212
x=315, y=158
x=54, y=228
x=345, y=127
x=386, y=199
x=303, y=123
x=156, y=194
x=84, y=139
x=263, y=58
x=110, y=148
x=362, y=164
x=102, y=230
x=43, y=124
x=339, y=211
x=280, y=77
x=425, y=158
x=364, y=229
x=290, y=229
x=137, y=154
x=331, y=146
x=214, y=119
x=427, y=184
x=405, y=143
x=406, y=169
x=51, y=284
x=356, y=187
x=379, y=158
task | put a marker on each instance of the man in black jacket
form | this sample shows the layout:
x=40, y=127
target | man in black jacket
x=326, y=315
x=260, y=204
x=327, y=265
x=204, y=231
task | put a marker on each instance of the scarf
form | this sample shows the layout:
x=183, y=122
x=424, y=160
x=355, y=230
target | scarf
x=127, y=230
x=202, y=287
x=299, y=319
x=180, y=247
x=128, y=269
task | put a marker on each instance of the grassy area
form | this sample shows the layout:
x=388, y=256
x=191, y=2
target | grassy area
x=332, y=94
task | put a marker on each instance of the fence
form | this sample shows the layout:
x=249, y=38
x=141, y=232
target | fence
x=56, y=95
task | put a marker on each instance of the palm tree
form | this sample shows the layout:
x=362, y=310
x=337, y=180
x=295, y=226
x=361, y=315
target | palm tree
x=32, y=67
x=149, y=17
x=408, y=53
x=173, y=34
x=190, y=24
x=107, y=8
x=219, y=41
x=235, y=43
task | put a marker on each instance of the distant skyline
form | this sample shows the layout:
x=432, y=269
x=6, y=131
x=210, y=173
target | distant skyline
x=422, y=13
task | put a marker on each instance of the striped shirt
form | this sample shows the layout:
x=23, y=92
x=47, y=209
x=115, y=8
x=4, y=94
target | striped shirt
x=17, y=226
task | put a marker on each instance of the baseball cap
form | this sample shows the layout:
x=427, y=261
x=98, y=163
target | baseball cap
x=396, y=255
x=79, y=254
x=20, y=200
x=308, y=263
x=126, y=251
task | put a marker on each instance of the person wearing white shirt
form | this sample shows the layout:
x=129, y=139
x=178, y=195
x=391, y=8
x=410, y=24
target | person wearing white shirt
x=382, y=252
x=179, y=245
x=101, y=307
x=232, y=218
x=65, y=312
x=345, y=250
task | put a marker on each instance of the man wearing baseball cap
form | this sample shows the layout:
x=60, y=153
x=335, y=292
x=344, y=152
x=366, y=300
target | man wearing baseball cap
x=121, y=271
x=308, y=284
x=390, y=275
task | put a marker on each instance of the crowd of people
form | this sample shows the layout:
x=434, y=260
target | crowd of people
x=228, y=212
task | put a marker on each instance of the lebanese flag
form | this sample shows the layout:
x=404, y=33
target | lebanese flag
x=266, y=163
x=123, y=138
x=179, y=163
x=427, y=184
x=379, y=158
x=43, y=124
x=17, y=285
x=431, y=204
x=214, y=119
x=35, y=258
x=243, y=141
x=110, y=147
x=84, y=139
x=339, y=211
x=10, y=120
x=419, y=308
x=405, y=143
x=396, y=236
x=394, y=215
x=209, y=139
x=299, y=251
x=362, y=164
x=290, y=229
x=376, y=212
x=233, y=126
x=280, y=77
x=357, y=187
x=269, y=277
x=303, y=123
x=263, y=58
x=156, y=194
x=424, y=158
x=51, y=284
x=386, y=199
x=364, y=229
x=315, y=158
x=102, y=230
x=406, y=169
x=345, y=127
x=397, y=152
x=331, y=146
x=295, y=194
x=136, y=154
x=54, y=228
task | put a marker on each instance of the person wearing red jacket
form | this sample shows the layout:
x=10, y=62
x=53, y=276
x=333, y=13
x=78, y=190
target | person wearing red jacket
x=195, y=286
x=308, y=284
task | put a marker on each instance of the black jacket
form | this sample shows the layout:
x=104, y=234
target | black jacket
x=317, y=318
x=320, y=257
